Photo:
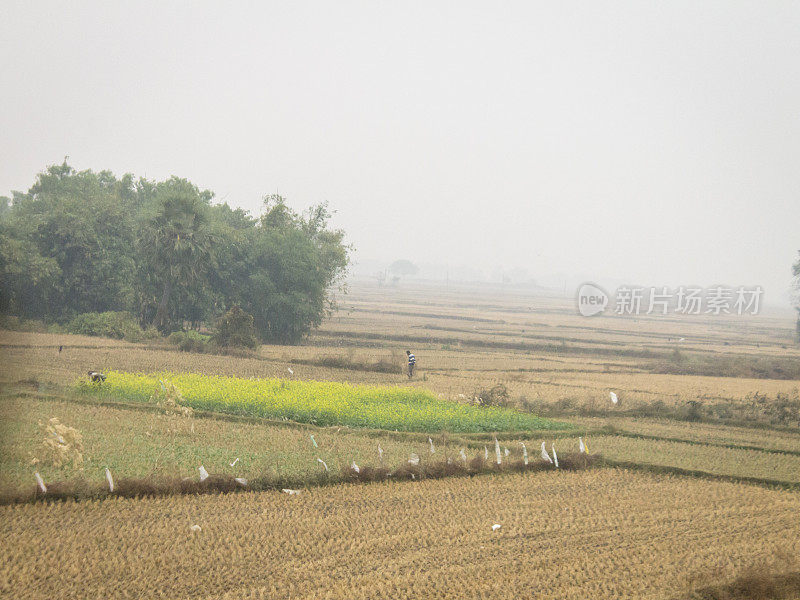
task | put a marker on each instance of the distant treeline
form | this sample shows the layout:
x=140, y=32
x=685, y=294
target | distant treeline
x=84, y=242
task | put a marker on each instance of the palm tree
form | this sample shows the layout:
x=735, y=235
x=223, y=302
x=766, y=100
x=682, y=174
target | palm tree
x=178, y=242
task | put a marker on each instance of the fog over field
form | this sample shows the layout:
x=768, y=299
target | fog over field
x=443, y=299
x=643, y=143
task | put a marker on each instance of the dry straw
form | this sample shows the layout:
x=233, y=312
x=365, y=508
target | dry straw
x=61, y=446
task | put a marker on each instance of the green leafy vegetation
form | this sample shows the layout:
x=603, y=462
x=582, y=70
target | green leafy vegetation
x=235, y=329
x=87, y=243
x=118, y=325
x=190, y=341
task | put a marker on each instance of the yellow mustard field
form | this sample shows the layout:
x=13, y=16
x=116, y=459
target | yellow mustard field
x=321, y=403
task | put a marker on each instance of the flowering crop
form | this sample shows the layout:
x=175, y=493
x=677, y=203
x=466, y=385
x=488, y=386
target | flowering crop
x=322, y=403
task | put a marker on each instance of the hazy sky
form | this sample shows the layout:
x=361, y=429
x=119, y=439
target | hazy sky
x=656, y=143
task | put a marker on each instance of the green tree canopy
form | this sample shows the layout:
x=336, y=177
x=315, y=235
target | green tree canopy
x=81, y=242
x=175, y=244
x=73, y=234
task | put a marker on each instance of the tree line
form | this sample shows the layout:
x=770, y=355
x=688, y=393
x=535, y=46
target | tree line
x=85, y=242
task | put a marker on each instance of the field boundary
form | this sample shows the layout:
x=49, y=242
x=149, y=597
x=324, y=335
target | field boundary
x=217, y=483
x=698, y=474
x=547, y=348
x=732, y=446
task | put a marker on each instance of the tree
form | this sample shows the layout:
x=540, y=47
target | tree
x=291, y=263
x=174, y=249
x=403, y=268
x=77, y=223
x=87, y=242
x=26, y=277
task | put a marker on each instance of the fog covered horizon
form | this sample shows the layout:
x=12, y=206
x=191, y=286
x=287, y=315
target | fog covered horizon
x=634, y=142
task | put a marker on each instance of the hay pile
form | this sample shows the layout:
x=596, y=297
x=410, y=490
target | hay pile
x=61, y=446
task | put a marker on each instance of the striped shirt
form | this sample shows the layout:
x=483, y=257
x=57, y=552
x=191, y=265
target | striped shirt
x=412, y=359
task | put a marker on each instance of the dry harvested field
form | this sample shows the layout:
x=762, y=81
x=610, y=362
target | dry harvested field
x=716, y=413
x=596, y=534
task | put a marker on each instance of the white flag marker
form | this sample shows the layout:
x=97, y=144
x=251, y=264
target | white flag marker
x=322, y=462
x=40, y=483
x=581, y=445
x=496, y=526
x=497, y=451
x=505, y=451
x=195, y=528
x=614, y=398
x=290, y=370
x=413, y=459
x=233, y=464
x=463, y=456
x=380, y=453
x=555, y=456
x=485, y=453
x=524, y=454
x=545, y=455
x=203, y=473
x=313, y=441
x=241, y=481
x=110, y=481
x=355, y=467
x=430, y=441
x=290, y=492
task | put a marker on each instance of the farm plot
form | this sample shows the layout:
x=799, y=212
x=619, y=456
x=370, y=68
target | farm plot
x=149, y=444
x=710, y=459
x=322, y=403
x=769, y=439
x=141, y=444
x=593, y=534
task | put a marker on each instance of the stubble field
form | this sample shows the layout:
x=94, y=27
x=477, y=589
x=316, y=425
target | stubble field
x=699, y=399
x=596, y=534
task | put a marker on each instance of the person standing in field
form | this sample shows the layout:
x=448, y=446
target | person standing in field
x=412, y=362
